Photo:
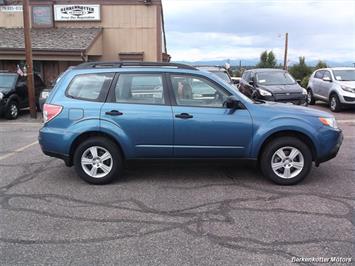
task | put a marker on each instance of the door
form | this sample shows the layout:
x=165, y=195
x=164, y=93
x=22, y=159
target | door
x=325, y=84
x=316, y=83
x=139, y=105
x=202, y=126
x=246, y=87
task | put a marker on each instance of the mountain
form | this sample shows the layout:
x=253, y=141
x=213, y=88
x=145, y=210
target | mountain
x=253, y=62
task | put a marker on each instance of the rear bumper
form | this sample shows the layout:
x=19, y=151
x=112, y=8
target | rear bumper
x=66, y=158
x=51, y=143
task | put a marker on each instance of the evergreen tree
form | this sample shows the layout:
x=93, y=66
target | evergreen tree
x=267, y=60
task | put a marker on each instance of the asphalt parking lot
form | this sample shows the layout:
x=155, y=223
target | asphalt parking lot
x=172, y=213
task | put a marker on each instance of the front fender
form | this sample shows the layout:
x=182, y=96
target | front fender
x=280, y=124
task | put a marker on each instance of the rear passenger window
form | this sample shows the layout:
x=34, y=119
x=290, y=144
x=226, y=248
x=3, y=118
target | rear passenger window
x=90, y=87
x=139, y=88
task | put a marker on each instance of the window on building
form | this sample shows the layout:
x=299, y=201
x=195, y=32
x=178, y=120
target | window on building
x=42, y=16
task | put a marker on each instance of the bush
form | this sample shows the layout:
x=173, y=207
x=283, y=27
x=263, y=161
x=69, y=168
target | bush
x=304, y=82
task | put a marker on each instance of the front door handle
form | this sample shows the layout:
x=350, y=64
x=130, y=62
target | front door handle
x=184, y=116
x=114, y=113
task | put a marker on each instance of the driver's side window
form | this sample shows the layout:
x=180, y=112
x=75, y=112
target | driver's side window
x=197, y=91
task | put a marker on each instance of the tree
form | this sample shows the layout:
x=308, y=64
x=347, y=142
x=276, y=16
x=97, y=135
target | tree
x=271, y=59
x=320, y=64
x=301, y=70
x=267, y=60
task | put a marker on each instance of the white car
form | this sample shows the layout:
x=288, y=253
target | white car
x=335, y=86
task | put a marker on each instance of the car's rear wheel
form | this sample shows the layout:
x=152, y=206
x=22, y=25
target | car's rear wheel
x=98, y=160
x=334, y=103
x=12, y=110
x=286, y=161
x=310, y=97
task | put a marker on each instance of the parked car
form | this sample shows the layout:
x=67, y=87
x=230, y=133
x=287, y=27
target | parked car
x=219, y=71
x=236, y=80
x=14, y=93
x=272, y=85
x=335, y=86
x=99, y=116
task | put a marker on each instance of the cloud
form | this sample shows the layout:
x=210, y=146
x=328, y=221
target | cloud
x=211, y=29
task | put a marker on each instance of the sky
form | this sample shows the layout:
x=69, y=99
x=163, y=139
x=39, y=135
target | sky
x=201, y=30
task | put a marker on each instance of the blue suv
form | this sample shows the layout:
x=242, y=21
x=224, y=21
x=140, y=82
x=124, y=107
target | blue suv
x=101, y=114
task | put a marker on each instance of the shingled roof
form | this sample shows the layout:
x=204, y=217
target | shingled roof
x=59, y=39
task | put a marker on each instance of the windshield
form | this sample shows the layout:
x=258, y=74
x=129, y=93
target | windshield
x=222, y=75
x=7, y=80
x=344, y=75
x=274, y=78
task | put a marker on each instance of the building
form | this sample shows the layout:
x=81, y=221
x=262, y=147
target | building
x=68, y=32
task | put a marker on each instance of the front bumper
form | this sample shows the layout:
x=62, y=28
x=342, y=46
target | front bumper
x=330, y=143
x=298, y=99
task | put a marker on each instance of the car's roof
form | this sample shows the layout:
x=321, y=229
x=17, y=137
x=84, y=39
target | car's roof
x=339, y=68
x=266, y=70
x=211, y=68
x=8, y=73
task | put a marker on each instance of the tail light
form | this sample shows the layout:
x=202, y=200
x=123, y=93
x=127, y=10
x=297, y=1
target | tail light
x=50, y=111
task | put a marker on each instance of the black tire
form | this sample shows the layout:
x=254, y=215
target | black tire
x=108, y=145
x=334, y=103
x=310, y=97
x=268, y=154
x=12, y=110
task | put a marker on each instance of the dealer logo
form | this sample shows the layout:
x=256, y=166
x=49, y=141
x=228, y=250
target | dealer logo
x=77, y=11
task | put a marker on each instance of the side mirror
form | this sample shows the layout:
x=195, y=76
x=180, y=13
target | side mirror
x=251, y=83
x=298, y=81
x=232, y=103
x=328, y=79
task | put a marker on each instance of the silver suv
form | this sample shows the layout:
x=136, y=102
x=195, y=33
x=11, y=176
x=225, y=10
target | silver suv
x=335, y=86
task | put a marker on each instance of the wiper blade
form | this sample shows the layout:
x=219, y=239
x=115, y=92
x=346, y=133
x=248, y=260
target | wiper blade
x=258, y=101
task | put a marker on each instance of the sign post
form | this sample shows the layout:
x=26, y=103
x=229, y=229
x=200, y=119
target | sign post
x=29, y=62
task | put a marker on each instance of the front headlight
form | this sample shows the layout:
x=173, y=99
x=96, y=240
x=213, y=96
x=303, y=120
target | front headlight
x=1, y=96
x=304, y=91
x=264, y=92
x=345, y=88
x=331, y=122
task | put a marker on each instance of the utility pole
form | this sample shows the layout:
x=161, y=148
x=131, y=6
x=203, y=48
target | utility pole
x=29, y=62
x=286, y=48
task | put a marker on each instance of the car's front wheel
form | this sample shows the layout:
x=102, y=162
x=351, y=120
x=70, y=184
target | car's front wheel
x=286, y=161
x=12, y=110
x=98, y=160
x=334, y=103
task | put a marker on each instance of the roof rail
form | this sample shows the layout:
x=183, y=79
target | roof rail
x=120, y=64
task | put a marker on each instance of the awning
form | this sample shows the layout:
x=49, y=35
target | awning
x=60, y=44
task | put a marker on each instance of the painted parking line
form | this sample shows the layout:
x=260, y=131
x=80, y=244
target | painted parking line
x=346, y=121
x=18, y=151
x=20, y=124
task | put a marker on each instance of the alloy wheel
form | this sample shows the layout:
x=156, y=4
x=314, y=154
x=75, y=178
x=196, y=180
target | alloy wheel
x=333, y=103
x=96, y=162
x=13, y=110
x=287, y=162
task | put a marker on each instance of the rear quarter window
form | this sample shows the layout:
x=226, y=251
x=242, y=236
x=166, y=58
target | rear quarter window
x=91, y=87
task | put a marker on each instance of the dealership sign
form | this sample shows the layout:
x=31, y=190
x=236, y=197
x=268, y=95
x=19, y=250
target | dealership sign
x=77, y=13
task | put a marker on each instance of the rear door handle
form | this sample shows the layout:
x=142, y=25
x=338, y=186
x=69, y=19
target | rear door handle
x=184, y=116
x=114, y=113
